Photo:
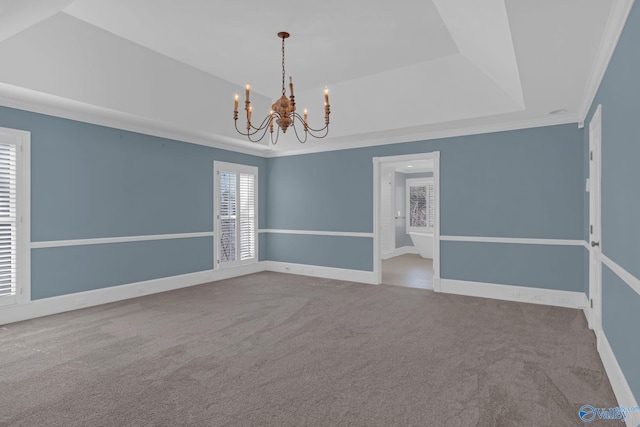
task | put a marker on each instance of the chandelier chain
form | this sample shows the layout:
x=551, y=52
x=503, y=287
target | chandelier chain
x=283, y=73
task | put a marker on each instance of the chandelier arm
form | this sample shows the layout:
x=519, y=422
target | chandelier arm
x=264, y=132
x=265, y=123
x=301, y=141
x=274, y=142
x=312, y=130
x=247, y=133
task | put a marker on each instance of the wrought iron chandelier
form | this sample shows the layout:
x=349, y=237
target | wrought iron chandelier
x=283, y=111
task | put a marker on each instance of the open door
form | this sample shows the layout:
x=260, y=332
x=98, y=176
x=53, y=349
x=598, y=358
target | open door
x=595, y=262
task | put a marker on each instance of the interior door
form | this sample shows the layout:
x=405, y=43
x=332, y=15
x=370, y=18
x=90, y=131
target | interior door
x=595, y=262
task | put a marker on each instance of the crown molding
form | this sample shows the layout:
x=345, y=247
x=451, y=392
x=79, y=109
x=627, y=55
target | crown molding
x=52, y=105
x=615, y=24
x=38, y=102
x=429, y=135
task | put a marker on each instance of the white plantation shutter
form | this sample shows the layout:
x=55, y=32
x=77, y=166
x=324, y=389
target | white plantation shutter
x=8, y=221
x=236, y=230
x=247, y=216
x=431, y=206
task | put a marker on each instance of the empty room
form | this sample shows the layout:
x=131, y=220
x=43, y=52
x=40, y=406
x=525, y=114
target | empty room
x=319, y=213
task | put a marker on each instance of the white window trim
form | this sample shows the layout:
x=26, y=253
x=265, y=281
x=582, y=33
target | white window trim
x=22, y=139
x=239, y=168
x=409, y=183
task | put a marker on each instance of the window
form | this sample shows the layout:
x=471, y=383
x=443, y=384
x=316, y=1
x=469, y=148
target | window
x=420, y=204
x=236, y=213
x=13, y=284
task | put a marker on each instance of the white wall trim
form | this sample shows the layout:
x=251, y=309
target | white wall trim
x=347, y=143
x=553, y=297
x=359, y=276
x=38, y=102
x=52, y=105
x=316, y=233
x=615, y=24
x=630, y=279
x=123, y=239
x=404, y=250
x=60, y=304
x=619, y=383
x=518, y=240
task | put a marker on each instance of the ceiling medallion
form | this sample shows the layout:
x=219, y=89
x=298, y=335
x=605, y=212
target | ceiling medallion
x=283, y=111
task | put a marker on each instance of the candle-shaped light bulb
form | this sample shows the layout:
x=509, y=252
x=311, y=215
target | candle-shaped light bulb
x=235, y=106
x=326, y=95
x=290, y=86
x=247, y=89
x=249, y=113
x=271, y=121
x=305, y=116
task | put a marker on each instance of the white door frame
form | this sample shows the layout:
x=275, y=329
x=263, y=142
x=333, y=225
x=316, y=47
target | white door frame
x=594, y=309
x=377, y=166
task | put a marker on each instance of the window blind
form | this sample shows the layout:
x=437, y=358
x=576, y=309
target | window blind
x=8, y=220
x=420, y=204
x=237, y=214
x=431, y=206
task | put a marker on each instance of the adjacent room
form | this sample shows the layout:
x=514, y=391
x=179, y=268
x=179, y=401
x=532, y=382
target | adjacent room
x=331, y=213
x=407, y=220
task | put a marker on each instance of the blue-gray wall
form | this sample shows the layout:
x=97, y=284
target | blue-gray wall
x=90, y=181
x=619, y=95
x=525, y=183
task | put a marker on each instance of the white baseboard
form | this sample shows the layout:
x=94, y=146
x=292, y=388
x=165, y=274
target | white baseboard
x=399, y=251
x=621, y=388
x=60, y=304
x=63, y=303
x=324, y=272
x=514, y=293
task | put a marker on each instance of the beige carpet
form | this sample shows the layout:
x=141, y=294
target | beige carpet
x=283, y=350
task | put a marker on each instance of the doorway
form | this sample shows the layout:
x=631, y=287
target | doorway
x=406, y=220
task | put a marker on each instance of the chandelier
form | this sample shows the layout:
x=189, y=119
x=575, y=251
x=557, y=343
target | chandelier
x=283, y=111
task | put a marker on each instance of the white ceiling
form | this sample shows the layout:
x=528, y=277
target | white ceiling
x=397, y=71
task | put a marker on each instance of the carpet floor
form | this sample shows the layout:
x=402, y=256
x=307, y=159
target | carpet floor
x=282, y=350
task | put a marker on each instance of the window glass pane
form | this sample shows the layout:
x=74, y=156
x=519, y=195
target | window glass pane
x=418, y=206
x=228, y=191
